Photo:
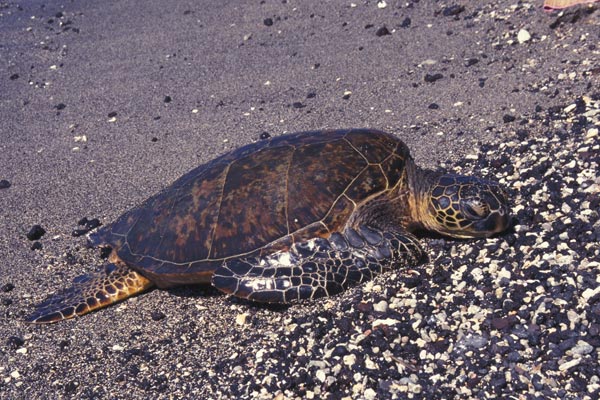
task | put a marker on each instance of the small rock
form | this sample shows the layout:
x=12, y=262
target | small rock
x=268, y=21
x=88, y=225
x=381, y=307
x=471, y=62
x=382, y=31
x=321, y=375
x=349, y=360
x=36, y=232
x=504, y=273
x=387, y=321
x=157, y=315
x=473, y=341
x=569, y=364
x=453, y=10
x=370, y=364
x=507, y=118
x=589, y=293
x=581, y=348
x=430, y=78
x=265, y=135
x=7, y=287
x=523, y=36
x=298, y=104
x=477, y=274
x=370, y=394
x=4, y=184
x=242, y=319
x=14, y=342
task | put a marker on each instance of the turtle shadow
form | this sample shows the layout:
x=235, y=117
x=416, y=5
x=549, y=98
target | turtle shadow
x=195, y=291
x=209, y=292
x=254, y=305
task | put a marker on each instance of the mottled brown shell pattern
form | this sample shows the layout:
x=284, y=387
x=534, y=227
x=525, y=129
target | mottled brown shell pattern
x=255, y=200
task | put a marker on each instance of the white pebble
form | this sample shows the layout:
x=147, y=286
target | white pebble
x=477, y=274
x=242, y=319
x=503, y=273
x=387, y=321
x=582, y=347
x=370, y=394
x=260, y=354
x=589, y=293
x=569, y=364
x=369, y=364
x=349, y=360
x=523, y=36
x=321, y=375
x=382, y=306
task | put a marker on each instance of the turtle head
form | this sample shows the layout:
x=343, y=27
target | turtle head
x=465, y=207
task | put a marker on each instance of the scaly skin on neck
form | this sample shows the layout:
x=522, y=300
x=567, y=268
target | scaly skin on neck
x=419, y=182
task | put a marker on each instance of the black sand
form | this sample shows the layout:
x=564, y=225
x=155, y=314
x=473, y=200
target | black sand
x=102, y=104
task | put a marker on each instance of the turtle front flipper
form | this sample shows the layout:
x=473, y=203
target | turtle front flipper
x=115, y=282
x=318, y=267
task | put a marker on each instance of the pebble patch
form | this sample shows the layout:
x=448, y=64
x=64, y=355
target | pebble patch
x=515, y=314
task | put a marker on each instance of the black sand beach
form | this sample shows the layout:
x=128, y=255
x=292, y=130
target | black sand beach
x=102, y=104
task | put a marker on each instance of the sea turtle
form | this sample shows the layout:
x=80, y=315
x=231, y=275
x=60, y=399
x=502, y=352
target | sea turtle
x=294, y=217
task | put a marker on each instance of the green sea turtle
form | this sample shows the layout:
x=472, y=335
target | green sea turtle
x=294, y=217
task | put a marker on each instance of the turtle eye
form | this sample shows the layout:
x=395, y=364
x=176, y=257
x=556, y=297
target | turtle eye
x=474, y=209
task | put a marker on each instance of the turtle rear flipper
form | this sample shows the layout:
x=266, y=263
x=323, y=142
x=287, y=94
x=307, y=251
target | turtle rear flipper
x=317, y=267
x=115, y=282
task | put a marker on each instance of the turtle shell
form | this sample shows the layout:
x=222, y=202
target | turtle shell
x=255, y=200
